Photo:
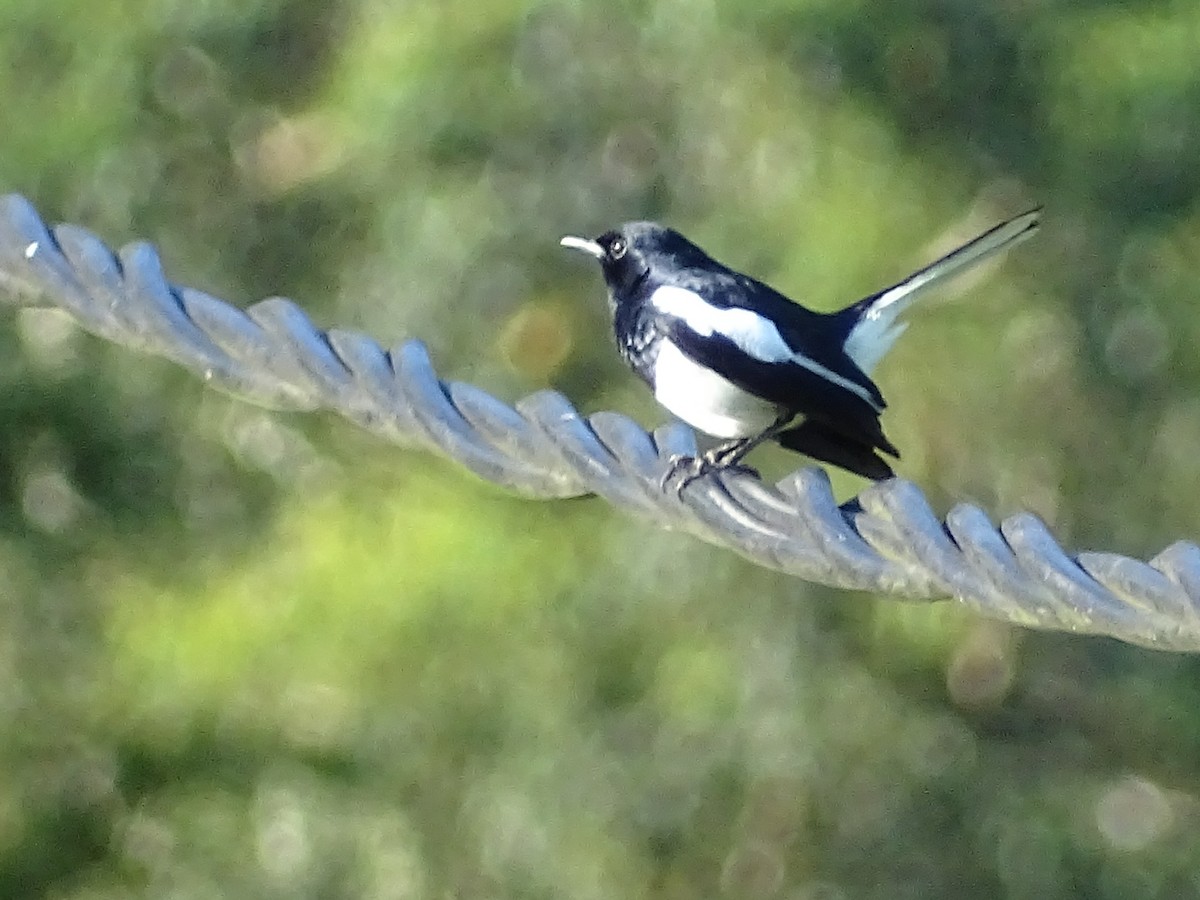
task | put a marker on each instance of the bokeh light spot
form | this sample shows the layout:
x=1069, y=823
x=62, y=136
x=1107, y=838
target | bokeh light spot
x=1132, y=814
x=1138, y=345
x=980, y=672
x=536, y=340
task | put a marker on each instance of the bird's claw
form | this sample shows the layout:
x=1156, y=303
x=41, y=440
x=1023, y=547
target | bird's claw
x=686, y=469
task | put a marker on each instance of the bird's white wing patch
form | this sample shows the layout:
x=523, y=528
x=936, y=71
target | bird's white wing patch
x=753, y=334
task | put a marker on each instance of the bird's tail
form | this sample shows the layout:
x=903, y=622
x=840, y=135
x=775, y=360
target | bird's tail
x=875, y=326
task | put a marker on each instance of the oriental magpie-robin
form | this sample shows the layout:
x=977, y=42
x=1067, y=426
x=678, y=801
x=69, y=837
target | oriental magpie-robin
x=738, y=360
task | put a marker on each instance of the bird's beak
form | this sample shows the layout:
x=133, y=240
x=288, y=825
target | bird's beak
x=589, y=247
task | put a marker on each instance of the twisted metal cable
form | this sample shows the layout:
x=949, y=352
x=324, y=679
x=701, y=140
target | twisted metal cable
x=888, y=540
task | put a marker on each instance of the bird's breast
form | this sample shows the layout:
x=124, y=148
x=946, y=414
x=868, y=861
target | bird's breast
x=638, y=338
x=705, y=400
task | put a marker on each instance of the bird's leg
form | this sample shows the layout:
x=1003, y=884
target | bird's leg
x=722, y=458
x=728, y=455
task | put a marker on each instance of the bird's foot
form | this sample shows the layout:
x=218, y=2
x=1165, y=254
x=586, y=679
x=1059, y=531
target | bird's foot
x=683, y=470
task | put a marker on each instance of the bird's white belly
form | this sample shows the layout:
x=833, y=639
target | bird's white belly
x=705, y=400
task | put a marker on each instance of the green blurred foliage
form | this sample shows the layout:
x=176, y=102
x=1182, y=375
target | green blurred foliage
x=255, y=655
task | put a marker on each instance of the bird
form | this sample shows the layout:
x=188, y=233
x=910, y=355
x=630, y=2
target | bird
x=739, y=361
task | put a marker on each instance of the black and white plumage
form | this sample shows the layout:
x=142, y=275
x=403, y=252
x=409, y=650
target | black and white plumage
x=737, y=360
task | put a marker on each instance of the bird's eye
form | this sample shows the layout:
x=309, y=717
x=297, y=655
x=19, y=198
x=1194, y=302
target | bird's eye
x=617, y=248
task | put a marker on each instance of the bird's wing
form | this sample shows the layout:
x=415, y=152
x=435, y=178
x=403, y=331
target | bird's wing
x=790, y=340
x=812, y=337
x=795, y=383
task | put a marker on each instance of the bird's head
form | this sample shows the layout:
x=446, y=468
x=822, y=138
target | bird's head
x=634, y=250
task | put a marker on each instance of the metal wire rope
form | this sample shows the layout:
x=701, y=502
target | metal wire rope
x=887, y=540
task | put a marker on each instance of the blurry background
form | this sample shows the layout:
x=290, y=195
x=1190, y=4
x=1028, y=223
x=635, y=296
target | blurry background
x=255, y=655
